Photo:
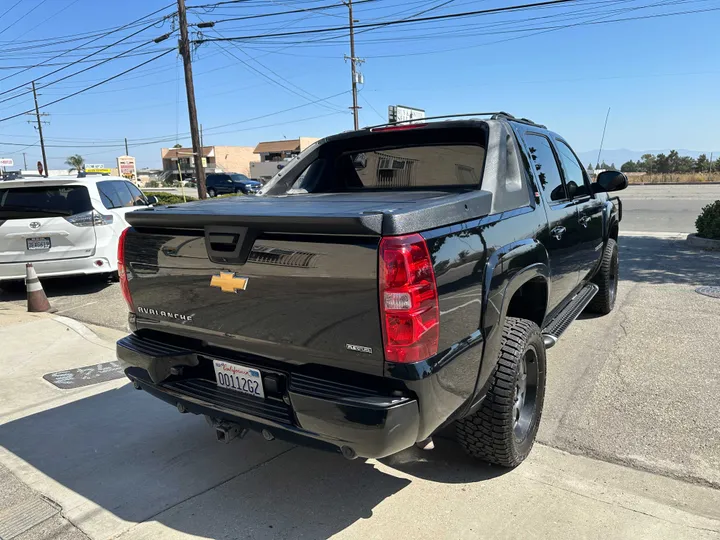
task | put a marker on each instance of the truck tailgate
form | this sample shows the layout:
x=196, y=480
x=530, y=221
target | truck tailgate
x=306, y=299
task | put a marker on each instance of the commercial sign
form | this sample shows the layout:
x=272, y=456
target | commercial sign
x=126, y=167
x=6, y=162
x=401, y=113
x=89, y=166
x=97, y=170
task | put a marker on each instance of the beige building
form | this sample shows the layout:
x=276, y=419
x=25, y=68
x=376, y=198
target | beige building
x=274, y=154
x=234, y=159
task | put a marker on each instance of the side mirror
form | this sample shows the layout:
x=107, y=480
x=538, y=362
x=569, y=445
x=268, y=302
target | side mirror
x=610, y=181
x=152, y=200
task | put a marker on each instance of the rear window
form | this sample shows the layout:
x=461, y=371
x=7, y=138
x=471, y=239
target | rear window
x=415, y=159
x=45, y=201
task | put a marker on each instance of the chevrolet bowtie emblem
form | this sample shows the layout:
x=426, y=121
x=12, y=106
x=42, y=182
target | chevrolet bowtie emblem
x=229, y=282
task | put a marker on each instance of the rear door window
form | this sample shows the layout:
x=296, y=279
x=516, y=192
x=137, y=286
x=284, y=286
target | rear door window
x=137, y=195
x=115, y=194
x=546, y=167
x=43, y=201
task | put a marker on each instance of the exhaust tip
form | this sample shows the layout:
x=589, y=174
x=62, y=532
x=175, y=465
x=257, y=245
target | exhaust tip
x=181, y=408
x=348, y=453
x=267, y=435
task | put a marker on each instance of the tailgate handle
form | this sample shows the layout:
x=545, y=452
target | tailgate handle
x=229, y=245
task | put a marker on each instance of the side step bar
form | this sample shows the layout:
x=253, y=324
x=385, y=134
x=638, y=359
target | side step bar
x=570, y=312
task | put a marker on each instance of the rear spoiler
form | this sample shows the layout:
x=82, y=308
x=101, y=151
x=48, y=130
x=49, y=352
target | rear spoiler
x=362, y=217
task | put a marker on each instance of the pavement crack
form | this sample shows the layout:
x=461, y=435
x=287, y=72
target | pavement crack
x=203, y=492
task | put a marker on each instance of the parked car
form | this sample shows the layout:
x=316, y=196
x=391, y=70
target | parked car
x=64, y=225
x=224, y=183
x=11, y=175
x=388, y=283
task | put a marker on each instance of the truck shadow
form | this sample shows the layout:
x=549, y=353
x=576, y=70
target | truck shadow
x=653, y=260
x=141, y=460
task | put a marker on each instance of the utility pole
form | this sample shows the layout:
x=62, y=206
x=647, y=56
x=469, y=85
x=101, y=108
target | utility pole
x=192, y=109
x=25, y=162
x=39, y=126
x=127, y=153
x=353, y=65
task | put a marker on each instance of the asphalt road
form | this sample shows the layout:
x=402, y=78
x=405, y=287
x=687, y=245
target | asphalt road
x=655, y=208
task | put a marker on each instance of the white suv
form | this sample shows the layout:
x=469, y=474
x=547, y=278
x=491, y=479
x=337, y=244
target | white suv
x=64, y=225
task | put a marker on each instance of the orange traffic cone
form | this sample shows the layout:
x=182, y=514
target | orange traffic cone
x=36, y=299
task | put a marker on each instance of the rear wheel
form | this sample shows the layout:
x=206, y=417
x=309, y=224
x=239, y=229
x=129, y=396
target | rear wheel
x=211, y=192
x=503, y=430
x=607, y=280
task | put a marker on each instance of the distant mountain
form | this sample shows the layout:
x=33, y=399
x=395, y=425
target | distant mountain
x=618, y=157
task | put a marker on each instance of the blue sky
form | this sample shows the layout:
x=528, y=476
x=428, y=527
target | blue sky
x=659, y=75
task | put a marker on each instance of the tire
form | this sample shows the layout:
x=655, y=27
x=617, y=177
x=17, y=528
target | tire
x=499, y=432
x=607, y=280
x=113, y=277
x=211, y=193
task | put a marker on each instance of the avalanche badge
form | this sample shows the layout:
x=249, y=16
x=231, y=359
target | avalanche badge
x=229, y=282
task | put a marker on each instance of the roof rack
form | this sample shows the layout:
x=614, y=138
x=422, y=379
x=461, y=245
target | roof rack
x=492, y=115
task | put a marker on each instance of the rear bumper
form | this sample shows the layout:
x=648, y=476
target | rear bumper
x=57, y=267
x=304, y=409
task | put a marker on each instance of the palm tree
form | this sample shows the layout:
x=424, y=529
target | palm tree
x=76, y=162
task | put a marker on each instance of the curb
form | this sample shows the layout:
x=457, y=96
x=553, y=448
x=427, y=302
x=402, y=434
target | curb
x=703, y=243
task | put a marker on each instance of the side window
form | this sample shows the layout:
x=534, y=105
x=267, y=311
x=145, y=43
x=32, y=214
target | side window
x=574, y=171
x=137, y=195
x=546, y=167
x=123, y=193
x=109, y=195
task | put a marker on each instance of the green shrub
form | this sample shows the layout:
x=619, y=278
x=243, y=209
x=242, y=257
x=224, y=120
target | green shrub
x=708, y=222
x=168, y=198
x=153, y=183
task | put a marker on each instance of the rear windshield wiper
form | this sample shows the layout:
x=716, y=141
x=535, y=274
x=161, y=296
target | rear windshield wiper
x=35, y=209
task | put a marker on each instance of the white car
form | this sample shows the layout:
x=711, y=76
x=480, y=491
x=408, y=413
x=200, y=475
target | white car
x=64, y=225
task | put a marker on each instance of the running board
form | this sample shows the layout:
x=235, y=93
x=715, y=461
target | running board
x=570, y=312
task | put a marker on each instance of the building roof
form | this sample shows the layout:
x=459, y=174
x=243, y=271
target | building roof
x=289, y=145
x=172, y=153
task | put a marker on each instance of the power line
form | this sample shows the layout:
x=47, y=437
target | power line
x=78, y=61
x=264, y=75
x=395, y=22
x=91, y=41
x=92, y=86
x=16, y=4
x=81, y=71
x=22, y=17
x=289, y=12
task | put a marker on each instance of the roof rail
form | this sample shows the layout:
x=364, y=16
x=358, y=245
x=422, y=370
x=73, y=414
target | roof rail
x=492, y=115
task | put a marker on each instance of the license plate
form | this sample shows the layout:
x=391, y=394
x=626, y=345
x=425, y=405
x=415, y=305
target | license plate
x=239, y=378
x=38, y=243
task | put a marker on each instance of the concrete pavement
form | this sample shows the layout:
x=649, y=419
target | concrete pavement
x=639, y=386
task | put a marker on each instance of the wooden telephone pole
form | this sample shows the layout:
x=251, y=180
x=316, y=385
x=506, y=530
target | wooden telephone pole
x=192, y=109
x=354, y=61
x=39, y=128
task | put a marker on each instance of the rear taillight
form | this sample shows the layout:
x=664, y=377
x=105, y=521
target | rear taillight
x=89, y=219
x=408, y=299
x=122, y=273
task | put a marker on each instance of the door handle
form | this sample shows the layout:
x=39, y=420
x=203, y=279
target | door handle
x=584, y=220
x=557, y=232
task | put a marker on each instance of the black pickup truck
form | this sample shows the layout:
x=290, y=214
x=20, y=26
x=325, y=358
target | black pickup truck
x=386, y=283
